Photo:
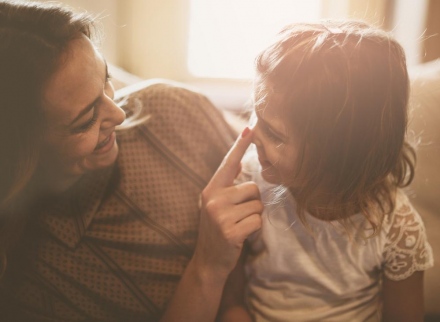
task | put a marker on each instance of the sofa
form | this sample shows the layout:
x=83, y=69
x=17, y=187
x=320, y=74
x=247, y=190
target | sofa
x=424, y=127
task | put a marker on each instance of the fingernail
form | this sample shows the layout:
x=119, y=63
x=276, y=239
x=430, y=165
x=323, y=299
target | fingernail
x=245, y=132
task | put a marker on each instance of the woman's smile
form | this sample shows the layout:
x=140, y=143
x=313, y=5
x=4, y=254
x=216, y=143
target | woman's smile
x=105, y=145
x=80, y=108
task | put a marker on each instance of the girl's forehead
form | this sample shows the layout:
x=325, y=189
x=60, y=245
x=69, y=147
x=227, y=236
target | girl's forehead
x=272, y=105
x=272, y=112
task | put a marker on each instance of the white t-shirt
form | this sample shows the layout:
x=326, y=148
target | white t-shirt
x=325, y=275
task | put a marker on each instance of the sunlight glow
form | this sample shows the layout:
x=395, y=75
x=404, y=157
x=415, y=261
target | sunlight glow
x=226, y=35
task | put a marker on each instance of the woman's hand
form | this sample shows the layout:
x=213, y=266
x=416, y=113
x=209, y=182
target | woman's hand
x=230, y=213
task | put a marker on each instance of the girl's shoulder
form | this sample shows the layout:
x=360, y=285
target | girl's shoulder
x=406, y=246
x=403, y=215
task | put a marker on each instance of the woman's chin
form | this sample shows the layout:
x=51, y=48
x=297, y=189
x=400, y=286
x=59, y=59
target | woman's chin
x=102, y=160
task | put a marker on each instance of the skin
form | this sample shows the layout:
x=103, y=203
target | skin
x=277, y=147
x=403, y=300
x=81, y=117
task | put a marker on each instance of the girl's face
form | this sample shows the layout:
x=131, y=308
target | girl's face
x=80, y=113
x=276, y=145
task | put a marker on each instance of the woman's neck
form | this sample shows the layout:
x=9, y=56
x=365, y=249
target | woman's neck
x=47, y=183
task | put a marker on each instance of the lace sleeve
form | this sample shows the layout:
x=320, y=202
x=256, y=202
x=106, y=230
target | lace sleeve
x=407, y=249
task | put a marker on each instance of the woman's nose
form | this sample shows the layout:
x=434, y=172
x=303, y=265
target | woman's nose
x=118, y=114
x=114, y=114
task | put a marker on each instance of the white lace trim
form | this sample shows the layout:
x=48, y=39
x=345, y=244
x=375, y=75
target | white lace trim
x=407, y=249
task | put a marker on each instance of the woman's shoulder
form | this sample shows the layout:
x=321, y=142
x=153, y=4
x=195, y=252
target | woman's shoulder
x=158, y=96
x=156, y=86
x=178, y=123
x=169, y=107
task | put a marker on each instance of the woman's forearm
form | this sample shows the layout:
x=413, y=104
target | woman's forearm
x=197, y=297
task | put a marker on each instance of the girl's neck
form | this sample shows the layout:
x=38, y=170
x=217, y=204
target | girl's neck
x=321, y=206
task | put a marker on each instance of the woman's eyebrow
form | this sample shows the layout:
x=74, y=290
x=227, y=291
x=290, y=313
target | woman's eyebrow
x=89, y=107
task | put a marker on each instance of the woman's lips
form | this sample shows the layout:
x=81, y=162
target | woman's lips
x=107, y=144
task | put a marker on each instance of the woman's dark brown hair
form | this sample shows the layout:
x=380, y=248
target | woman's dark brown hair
x=32, y=38
x=345, y=91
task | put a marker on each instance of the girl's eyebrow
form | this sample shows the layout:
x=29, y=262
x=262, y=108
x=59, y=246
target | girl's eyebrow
x=89, y=107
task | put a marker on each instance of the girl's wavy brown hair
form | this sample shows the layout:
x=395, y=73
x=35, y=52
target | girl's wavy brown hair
x=344, y=88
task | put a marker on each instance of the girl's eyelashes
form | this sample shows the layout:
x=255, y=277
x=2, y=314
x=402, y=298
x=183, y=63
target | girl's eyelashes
x=108, y=77
x=89, y=124
x=271, y=135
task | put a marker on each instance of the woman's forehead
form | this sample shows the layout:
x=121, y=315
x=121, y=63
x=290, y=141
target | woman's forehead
x=76, y=82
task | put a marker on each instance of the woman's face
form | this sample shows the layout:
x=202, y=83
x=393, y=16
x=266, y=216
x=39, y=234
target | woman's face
x=80, y=113
x=276, y=145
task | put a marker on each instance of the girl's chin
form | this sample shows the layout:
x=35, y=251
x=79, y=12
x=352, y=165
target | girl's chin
x=269, y=176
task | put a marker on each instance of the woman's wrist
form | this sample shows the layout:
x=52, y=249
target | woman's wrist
x=207, y=275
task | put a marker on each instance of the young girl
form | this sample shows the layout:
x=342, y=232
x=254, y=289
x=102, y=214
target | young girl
x=340, y=241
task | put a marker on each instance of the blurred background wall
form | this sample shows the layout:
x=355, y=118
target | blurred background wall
x=150, y=38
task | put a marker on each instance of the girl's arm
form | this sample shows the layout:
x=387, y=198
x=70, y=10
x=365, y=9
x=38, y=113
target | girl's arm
x=232, y=307
x=403, y=300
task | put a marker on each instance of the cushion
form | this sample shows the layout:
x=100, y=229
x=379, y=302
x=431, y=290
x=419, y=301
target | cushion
x=424, y=125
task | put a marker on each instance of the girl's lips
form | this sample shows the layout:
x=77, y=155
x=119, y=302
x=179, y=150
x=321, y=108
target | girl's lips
x=106, y=145
x=264, y=163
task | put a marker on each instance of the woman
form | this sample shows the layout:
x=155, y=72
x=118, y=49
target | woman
x=99, y=224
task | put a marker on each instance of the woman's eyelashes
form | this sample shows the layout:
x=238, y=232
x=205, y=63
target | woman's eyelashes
x=89, y=124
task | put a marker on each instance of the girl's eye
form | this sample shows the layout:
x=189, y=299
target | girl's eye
x=88, y=125
x=272, y=136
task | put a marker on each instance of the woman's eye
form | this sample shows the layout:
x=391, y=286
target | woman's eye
x=88, y=125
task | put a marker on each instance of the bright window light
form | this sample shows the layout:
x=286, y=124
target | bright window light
x=226, y=35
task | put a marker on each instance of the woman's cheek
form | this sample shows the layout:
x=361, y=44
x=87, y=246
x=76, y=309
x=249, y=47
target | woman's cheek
x=81, y=148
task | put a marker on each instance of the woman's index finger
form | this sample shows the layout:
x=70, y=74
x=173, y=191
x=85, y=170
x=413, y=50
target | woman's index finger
x=227, y=172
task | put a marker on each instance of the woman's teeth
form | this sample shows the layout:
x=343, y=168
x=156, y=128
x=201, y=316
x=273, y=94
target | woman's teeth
x=100, y=145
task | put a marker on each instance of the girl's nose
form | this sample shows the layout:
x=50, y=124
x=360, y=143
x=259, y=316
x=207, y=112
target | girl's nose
x=256, y=136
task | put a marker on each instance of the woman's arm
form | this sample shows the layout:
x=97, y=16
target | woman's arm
x=229, y=214
x=403, y=300
x=232, y=307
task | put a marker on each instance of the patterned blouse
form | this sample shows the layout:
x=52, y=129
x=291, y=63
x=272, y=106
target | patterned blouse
x=114, y=246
